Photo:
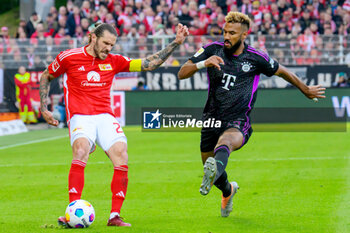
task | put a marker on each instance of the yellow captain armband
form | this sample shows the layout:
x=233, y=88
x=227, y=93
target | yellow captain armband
x=135, y=65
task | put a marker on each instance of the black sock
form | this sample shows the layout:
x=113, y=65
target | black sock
x=223, y=184
x=221, y=157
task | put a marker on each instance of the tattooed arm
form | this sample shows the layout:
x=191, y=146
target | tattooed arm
x=152, y=62
x=45, y=80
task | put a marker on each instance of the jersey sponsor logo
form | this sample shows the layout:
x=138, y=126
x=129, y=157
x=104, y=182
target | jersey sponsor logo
x=228, y=80
x=199, y=52
x=87, y=84
x=105, y=67
x=93, y=76
x=55, y=65
x=246, y=66
x=81, y=68
x=93, y=80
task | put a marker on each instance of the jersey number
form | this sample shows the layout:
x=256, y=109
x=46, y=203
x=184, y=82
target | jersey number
x=229, y=81
x=118, y=128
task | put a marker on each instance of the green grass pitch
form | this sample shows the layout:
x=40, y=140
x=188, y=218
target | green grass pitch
x=290, y=182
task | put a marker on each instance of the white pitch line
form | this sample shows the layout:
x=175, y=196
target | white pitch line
x=182, y=161
x=32, y=142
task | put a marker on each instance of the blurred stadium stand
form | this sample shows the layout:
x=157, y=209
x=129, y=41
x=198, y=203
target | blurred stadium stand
x=313, y=32
x=38, y=53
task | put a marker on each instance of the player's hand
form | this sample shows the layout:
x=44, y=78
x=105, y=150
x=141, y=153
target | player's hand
x=181, y=33
x=49, y=118
x=315, y=92
x=214, y=61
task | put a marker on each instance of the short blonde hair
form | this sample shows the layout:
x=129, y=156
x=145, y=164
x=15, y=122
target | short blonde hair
x=238, y=17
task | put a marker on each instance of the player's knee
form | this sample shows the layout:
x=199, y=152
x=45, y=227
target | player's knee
x=122, y=153
x=235, y=144
x=119, y=150
x=232, y=142
x=81, y=149
x=81, y=153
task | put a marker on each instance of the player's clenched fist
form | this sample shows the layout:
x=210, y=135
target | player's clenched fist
x=214, y=61
x=181, y=34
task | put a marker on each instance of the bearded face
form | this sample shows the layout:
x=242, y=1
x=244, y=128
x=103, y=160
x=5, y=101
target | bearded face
x=234, y=36
x=230, y=48
x=104, y=44
x=100, y=52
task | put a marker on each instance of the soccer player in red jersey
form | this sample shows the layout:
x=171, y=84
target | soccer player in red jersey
x=88, y=73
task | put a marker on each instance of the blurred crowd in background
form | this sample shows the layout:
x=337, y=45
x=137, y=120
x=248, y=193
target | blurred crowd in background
x=295, y=32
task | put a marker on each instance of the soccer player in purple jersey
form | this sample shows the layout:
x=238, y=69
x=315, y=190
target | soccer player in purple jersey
x=233, y=69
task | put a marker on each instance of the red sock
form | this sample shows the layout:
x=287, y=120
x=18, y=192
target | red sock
x=119, y=186
x=76, y=180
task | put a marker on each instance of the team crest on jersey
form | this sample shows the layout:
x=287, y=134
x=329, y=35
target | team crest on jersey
x=105, y=67
x=199, y=52
x=93, y=76
x=78, y=128
x=246, y=66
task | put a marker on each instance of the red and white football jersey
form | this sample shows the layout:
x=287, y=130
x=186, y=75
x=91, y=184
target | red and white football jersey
x=87, y=80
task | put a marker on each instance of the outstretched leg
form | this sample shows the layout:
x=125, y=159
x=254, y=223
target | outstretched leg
x=216, y=161
x=229, y=141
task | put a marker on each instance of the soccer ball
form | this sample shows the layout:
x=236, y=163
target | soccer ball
x=80, y=214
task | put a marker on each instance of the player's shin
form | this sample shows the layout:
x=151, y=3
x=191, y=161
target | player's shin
x=119, y=186
x=76, y=180
x=223, y=184
x=221, y=157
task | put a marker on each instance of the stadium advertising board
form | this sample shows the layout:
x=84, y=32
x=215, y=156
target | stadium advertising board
x=287, y=101
x=12, y=127
x=165, y=79
x=326, y=76
x=125, y=81
x=341, y=106
x=118, y=106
